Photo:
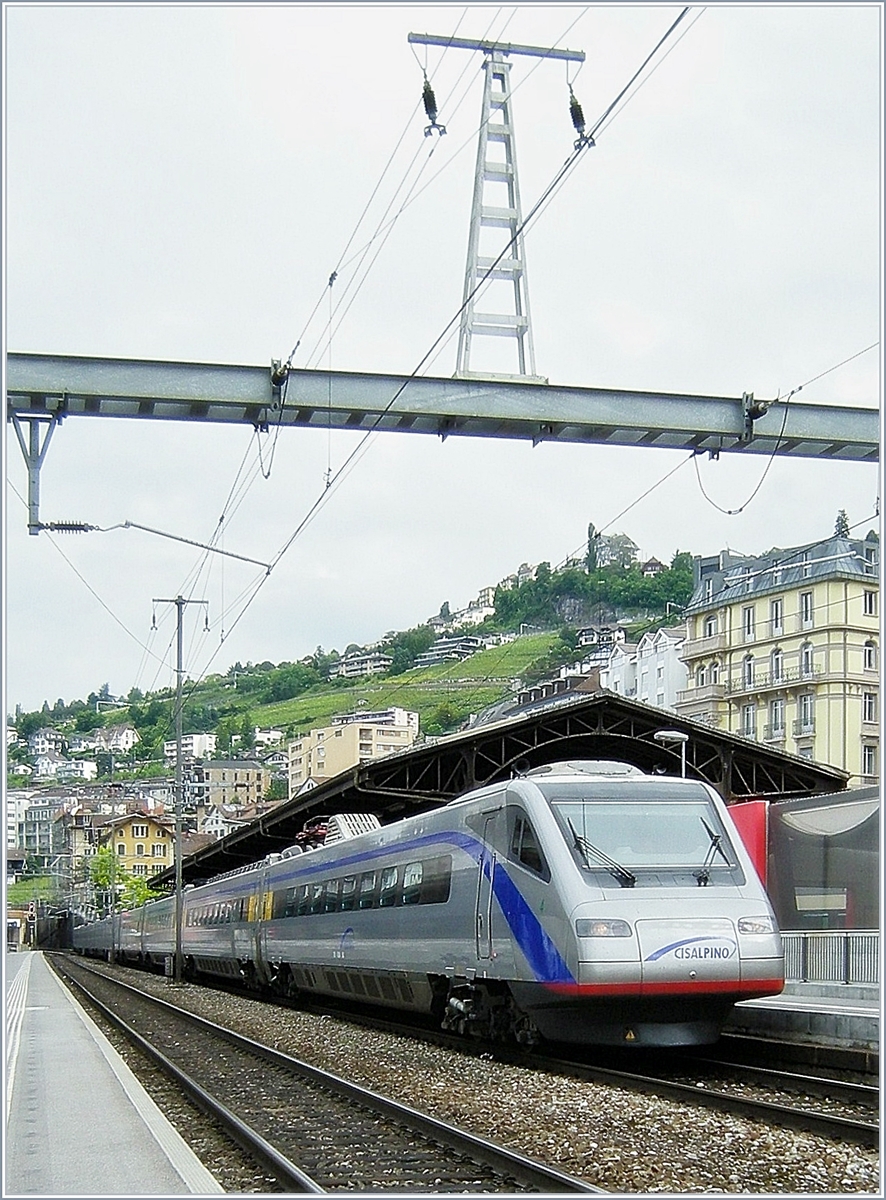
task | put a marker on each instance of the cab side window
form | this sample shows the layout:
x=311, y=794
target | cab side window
x=524, y=847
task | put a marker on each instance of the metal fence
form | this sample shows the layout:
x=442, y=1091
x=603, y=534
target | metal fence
x=832, y=956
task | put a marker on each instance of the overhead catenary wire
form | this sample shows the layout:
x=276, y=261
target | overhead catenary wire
x=732, y=512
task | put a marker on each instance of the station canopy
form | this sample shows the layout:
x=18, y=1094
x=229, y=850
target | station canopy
x=601, y=725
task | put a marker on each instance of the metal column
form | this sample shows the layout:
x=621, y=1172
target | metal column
x=490, y=177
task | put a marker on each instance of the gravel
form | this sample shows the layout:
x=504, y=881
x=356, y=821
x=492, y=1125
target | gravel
x=614, y=1139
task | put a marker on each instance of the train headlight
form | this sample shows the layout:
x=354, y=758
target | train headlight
x=756, y=925
x=602, y=928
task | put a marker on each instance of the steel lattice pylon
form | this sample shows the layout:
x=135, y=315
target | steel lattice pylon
x=496, y=127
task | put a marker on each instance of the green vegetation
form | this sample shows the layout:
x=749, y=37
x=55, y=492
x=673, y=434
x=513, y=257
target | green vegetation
x=580, y=598
x=443, y=695
x=109, y=876
x=45, y=888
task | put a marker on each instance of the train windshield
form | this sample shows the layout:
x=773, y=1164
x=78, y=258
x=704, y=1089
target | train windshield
x=635, y=831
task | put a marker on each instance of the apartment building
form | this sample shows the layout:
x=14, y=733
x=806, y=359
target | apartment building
x=144, y=844
x=382, y=716
x=651, y=670
x=451, y=649
x=784, y=648
x=356, y=666
x=194, y=745
x=226, y=781
x=323, y=753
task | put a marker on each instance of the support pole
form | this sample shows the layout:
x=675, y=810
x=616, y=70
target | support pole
x=177, y=973
x=34, y=454
x=180, y=602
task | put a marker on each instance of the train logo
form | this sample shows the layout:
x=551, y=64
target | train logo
x=704, y=949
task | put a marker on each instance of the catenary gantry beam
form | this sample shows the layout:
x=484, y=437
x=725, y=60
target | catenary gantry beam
x=45, y=386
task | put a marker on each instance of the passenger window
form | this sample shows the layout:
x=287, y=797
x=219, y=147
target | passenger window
x=412, y=874
x=524, y=846
x=388, y=889
x=331, y=898
x=316, y=898
x=367, y=889
x=436, y=880
x=348, y=893
x=302, y=901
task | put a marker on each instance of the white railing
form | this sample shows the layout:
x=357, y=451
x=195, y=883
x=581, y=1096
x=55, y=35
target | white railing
x=832, y=956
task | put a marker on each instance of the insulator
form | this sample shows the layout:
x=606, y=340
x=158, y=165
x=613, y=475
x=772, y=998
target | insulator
x=68, y=527
x=578, y=117
x=430, y=101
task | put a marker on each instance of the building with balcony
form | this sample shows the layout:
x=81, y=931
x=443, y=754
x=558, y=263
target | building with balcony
x=383, y=716
x=46, y=741
x=78, y=768
x=194, y=745
x=322, y=753
x=784, y=648
x=117, y=739
x=356, y=666
x=239, y=781
x=451, y=649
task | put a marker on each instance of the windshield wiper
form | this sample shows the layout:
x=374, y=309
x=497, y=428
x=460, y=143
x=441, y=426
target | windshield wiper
x=622, y=874
x=704, y=875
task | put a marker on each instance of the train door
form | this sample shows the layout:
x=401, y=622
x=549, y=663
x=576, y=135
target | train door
x=264, y=912
x=483, y=913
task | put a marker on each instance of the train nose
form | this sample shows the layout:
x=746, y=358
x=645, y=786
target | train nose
x=690, y=950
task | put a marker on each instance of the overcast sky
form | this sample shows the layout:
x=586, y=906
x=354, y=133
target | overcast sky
x=180, y=181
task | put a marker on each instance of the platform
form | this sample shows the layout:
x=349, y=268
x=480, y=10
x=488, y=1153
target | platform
x=840, y=1015
x=78, y=1122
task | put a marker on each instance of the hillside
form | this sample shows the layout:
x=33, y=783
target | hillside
x=295, y=697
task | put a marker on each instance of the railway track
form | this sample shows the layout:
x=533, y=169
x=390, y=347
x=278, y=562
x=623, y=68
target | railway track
x=313, y=1131
x=780, y=1097
x=772, y=1097
x=719, y=1079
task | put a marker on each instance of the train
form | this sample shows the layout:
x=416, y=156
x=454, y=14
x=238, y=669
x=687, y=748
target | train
x=580, y=902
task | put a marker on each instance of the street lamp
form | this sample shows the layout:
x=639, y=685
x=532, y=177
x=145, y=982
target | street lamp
x=668, y=736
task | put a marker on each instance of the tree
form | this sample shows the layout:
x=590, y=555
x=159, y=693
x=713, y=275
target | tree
x=277, y=790
x=841, y=528
x=29, y=723
x=135, y=892
x=445, y=612
x=86, y=720
x=247, y=732
x=106, y=872
x=405, y=647
x=591, y=556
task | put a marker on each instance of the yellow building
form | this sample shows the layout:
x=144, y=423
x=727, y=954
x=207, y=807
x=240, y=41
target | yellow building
x=323, y=753
x=784, y=649
x=143, y=844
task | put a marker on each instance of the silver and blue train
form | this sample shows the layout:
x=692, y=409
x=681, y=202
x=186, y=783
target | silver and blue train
x=579, y=902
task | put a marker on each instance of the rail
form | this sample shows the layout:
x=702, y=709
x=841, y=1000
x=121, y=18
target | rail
x=832, y=956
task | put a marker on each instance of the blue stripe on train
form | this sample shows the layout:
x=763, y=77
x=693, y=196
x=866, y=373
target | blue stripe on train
x=537, y=947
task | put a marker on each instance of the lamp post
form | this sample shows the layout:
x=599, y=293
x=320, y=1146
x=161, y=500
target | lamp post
x=668, y=736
